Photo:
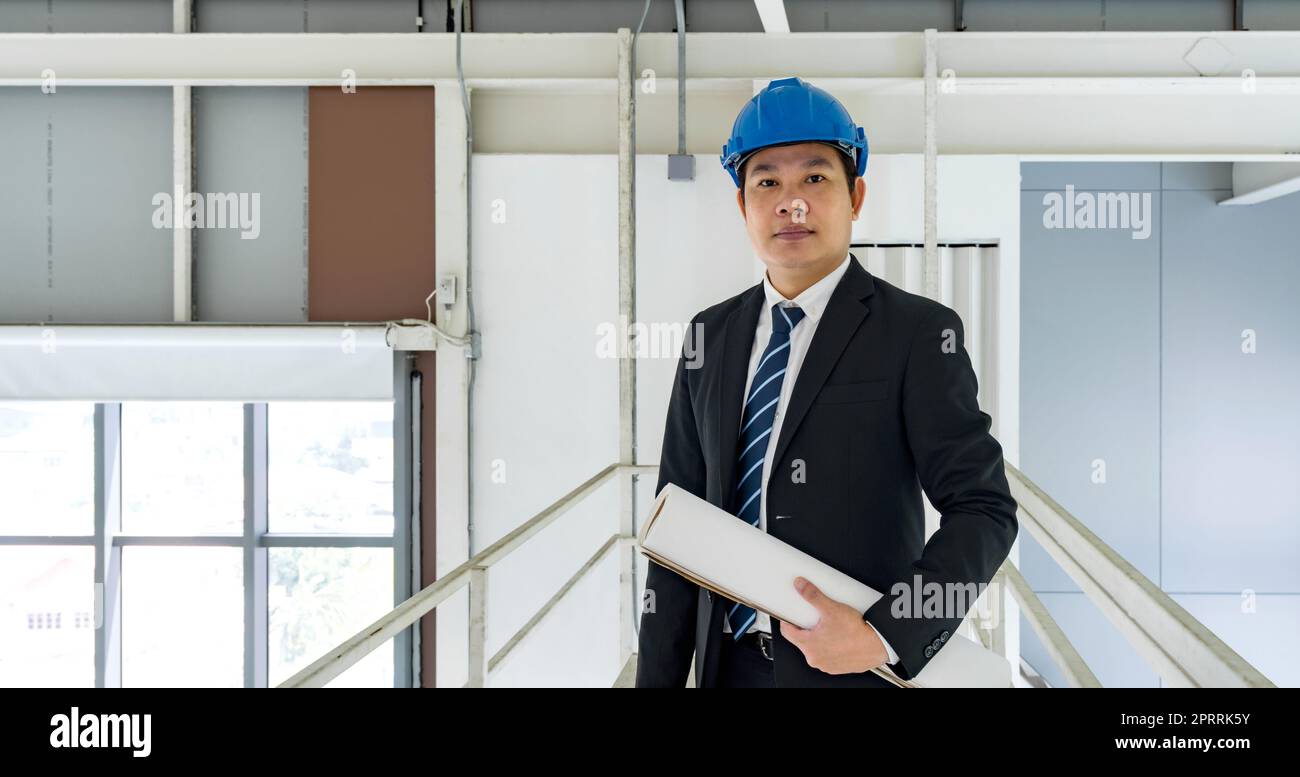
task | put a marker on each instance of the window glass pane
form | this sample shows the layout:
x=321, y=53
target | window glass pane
x=183, y=468
x=47, y=468
x=182, y=617
x=318, y=598
x=47, y=629
x=330, y=467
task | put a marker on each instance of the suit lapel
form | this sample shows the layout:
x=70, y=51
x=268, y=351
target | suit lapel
x=739, y=341
x=844, y=313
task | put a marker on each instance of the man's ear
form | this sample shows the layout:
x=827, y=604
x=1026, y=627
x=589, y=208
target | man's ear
x=740, y=203
x=859, y=195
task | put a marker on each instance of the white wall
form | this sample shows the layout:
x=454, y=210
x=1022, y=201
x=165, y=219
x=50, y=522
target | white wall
x=545, y=408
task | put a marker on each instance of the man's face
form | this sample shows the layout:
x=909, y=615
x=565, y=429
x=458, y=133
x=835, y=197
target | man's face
x=797, y=207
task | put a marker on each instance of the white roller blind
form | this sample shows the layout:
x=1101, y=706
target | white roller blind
x=195, y=362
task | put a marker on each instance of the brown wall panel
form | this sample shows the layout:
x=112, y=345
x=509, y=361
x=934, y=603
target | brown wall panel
x=371, y=241
x=370, y=178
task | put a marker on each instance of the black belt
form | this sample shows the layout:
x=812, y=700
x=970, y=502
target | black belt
x=755, y=639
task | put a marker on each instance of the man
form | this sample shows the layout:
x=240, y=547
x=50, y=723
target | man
x=826, y=399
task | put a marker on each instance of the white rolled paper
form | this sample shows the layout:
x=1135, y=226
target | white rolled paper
x=713, y=548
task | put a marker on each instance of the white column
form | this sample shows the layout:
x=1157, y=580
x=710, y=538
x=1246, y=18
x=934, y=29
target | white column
x=627, y=364
x=930, y=273
x=182, y=180
x=451, y=405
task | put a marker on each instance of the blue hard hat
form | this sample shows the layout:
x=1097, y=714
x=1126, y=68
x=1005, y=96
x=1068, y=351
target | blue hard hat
x=789, y=111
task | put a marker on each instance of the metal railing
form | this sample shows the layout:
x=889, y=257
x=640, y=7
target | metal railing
x=473, y=573
x=1063, y=653
x=1181, y=649
x=1177, y=646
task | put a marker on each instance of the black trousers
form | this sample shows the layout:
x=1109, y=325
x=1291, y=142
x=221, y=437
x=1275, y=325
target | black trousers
x=742, y=665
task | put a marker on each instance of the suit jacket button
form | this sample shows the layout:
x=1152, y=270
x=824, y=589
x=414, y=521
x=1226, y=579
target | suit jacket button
x=943, y=637
x=936, y=644
x=929, y=652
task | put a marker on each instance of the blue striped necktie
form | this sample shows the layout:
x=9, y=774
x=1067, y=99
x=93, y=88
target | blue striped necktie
x=756, y=435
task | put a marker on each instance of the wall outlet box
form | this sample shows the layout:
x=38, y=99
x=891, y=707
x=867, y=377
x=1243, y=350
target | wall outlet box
x=681, y=167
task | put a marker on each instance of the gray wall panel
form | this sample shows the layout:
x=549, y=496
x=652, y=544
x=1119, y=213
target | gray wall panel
x=24, y=268
x=1272, y=15
x=86, y=16
x=1076, y=15
x=248, y=16
x=1110, y=15
x=880, y=15
x=607, y=16
x=312, y=15
x=1196, y=175
x=1157, y=15
x=1054, y=176
x=1227, y=507
x=1231, y=419
x=720, y=16
x=869, y=15
x=105, y=153
x=1089, y=382
x=253, y=140
x=370, y=16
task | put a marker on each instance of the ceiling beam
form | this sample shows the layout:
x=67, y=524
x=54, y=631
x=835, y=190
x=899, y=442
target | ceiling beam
x=401, y=58
x=1022, y=93
x=772, y=14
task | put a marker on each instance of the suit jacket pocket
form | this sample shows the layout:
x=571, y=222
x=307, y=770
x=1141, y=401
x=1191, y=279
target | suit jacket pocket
x=853, y=392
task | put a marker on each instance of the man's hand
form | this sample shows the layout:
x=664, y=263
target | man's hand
x=841, y=642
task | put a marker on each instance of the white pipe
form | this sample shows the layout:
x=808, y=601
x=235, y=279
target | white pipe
x=182, y=181
x=930, y=280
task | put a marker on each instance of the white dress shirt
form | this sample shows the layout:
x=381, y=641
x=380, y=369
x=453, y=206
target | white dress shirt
x=813, y=302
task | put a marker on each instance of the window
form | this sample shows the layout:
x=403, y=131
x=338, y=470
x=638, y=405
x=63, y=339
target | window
x=38, y=585
x=331, y=467
x=47, y=468
x=324, y=534
x=183, y=468
x=320, y=597
x=182, y=617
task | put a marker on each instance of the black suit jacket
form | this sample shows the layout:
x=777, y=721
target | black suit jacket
x=880, y=409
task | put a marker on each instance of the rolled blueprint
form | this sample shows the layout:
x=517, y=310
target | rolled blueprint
x=717, y=550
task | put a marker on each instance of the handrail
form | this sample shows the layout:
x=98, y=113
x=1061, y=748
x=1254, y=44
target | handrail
x=338, y=660
x=1179, y=647
x=1059, y=647
x=523, y=632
